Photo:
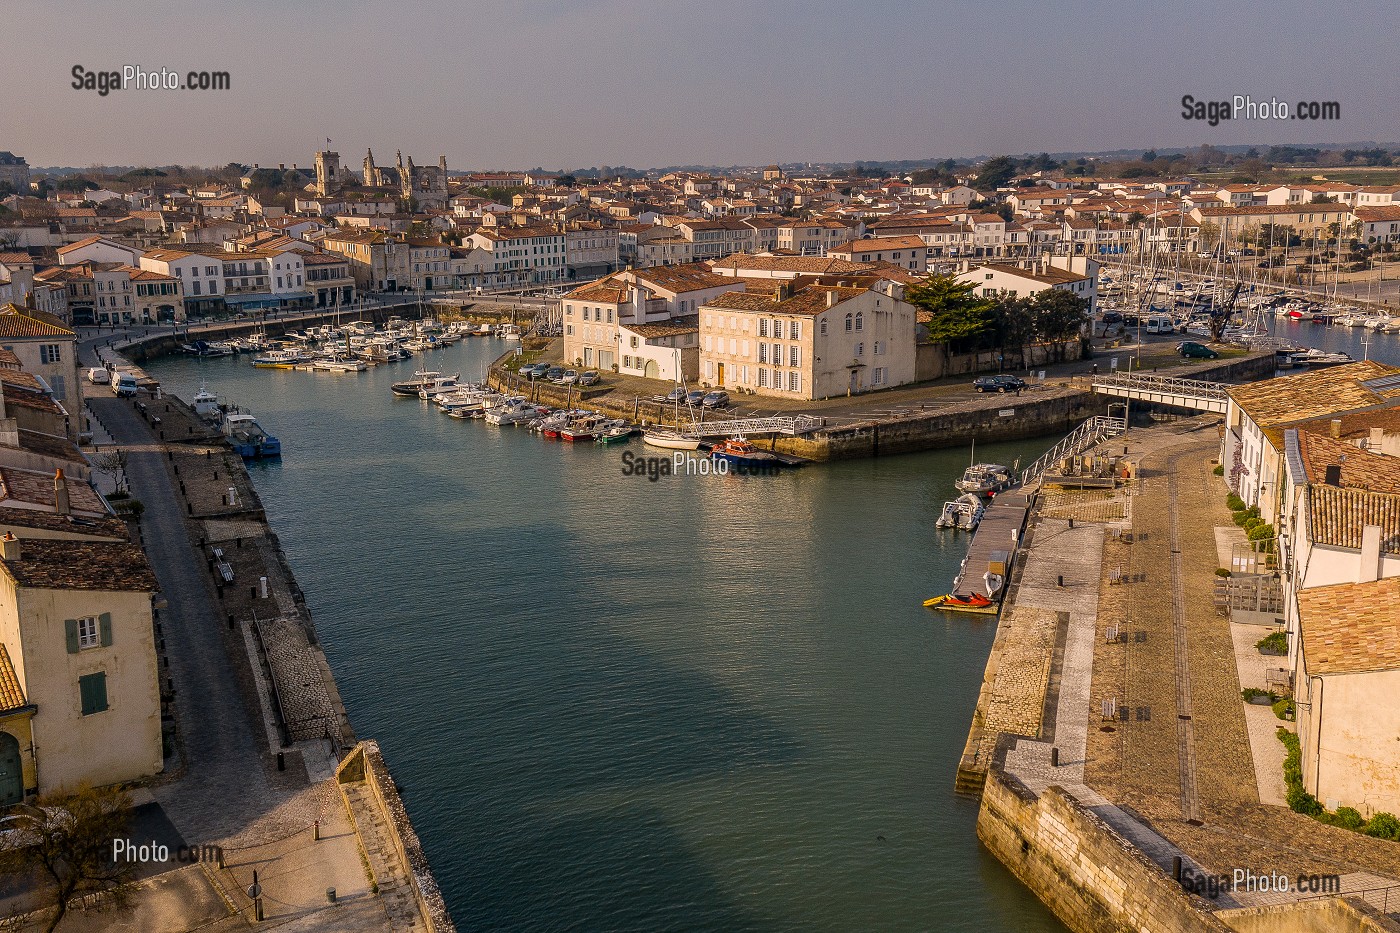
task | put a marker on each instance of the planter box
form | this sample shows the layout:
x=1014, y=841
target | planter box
x=1262, y=701
x=1274, y=652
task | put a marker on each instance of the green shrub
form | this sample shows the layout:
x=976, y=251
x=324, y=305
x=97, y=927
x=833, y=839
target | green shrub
x=1251, y=523
x=1235, y=503
x=1259, y=532
x=1383, y=826
x=1300, y=801
x=1348, y=818
x=1219, y=470
x=1221, y=572
x=1274, y=641
x=129, y=509
x=1252, y=511
x=1250, y=693
x=1284, y=710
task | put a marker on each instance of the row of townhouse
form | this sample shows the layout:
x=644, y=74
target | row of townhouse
x=1319, y=455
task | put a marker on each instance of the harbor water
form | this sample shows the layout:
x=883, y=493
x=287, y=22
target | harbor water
x=709, y=703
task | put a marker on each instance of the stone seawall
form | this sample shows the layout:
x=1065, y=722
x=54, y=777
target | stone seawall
x=1093, y=879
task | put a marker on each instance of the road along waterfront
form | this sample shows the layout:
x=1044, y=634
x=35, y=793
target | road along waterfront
x=706, y=702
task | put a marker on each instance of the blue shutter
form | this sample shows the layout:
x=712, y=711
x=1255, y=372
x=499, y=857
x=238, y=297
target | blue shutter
x=104, y=627
x=70, y=629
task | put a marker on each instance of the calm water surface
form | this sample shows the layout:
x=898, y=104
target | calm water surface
x=704, y=703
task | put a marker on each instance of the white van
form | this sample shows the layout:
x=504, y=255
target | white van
x=1160, y=324
x=124, y=385
x=99, y=376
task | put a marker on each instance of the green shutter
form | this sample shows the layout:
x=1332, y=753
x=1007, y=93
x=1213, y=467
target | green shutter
x=70, y=628
x=104, y=626
x=93, y=690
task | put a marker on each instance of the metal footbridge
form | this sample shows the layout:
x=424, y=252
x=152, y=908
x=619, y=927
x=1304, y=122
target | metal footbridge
x=1096, y=430
x=800, y=424
x=1164, y=390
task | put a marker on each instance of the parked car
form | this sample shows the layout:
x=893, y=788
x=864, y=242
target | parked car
x=695, y=396
x=99, y=376
x=1112, y=317
x=534, y=370
x=716, y=400
x=554, y=373
x=569, y=378
x=676, y=395
x=1001, y=383
x=1193, y=350
x=589, y=378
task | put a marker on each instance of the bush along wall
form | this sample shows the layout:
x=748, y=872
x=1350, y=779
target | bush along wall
x=1380, y=825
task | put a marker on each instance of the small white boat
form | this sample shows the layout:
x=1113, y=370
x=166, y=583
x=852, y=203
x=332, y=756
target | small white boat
x=669, y=440
x=442, y=385
x=963, y=513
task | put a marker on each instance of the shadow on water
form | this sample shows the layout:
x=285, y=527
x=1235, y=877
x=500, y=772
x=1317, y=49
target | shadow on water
x=696, y=704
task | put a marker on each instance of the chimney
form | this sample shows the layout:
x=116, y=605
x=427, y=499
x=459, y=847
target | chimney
x=1335, y=427
x=9, y=546
x=1370, y=562
x=60, y=493
x=831, y=297
x=1377, y=440
x=1333, y=474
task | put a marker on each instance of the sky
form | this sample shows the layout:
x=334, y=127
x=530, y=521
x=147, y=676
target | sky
x=643, y=83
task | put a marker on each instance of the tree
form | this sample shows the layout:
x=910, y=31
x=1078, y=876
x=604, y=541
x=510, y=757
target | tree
x=1059, y=315
x=957, y=315
x=995, y=172
x=1150, y=155
x=1015, y=325
x=66, y=840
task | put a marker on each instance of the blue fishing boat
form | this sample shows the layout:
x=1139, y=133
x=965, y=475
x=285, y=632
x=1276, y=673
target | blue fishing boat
x=248, y=438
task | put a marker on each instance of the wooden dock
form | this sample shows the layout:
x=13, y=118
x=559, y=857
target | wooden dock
x=1001, y=528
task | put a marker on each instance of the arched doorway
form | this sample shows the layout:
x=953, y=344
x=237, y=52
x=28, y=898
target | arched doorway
x=652, y=370
x=11, y=771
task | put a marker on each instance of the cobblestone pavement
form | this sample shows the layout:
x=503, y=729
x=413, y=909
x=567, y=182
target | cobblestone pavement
x=227, y=782
x=1138, y=765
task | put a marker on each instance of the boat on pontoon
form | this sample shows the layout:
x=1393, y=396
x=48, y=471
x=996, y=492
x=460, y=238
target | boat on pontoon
x=424, y=377
x=669, y=440
x=985, y=479
x=963, y=513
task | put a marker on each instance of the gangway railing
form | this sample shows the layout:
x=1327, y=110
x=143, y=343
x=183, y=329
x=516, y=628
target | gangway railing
x=1093, y=431
x=1165, y=390
x=792, y=425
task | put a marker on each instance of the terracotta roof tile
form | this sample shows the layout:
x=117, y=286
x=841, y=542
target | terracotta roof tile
x=11, y=693
x=1348, y=628
x=16, y=322
x=1291, y=399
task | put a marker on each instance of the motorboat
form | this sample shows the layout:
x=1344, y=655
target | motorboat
x=985, y=479
x=614, y=432
x=248, y=438
x=281, y=359
x=206, y=405
x=669, y=440
x=740, y=452
x=337, y=364
x=963, y=513
x=439, y=386
x=420, y=379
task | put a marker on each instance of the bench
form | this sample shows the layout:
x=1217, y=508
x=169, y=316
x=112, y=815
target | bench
x=225, y=570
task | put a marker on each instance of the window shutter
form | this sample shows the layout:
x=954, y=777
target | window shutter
x=92, y=688
x=70, y=629
x=104, y=625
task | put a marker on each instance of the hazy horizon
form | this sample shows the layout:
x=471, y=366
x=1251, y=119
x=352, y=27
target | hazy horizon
x=588, y=83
